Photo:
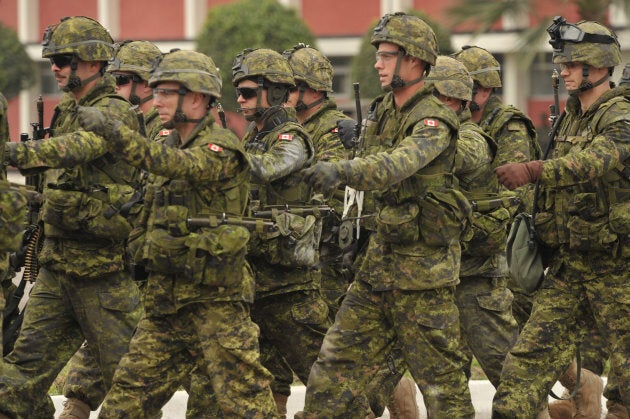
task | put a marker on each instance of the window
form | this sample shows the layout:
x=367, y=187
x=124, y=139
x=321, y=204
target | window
x=540, y=77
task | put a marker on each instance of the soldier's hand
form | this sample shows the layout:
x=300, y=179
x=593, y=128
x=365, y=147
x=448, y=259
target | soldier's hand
x=513, y=175
x=323, y=176
x=94, y=120
x=345, y=128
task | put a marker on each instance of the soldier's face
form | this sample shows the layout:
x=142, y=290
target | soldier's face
x=62, y=73
x=165, y=99
x=247, y=100
x=385, y=64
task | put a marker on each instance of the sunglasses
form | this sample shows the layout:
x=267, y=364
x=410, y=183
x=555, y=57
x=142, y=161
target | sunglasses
x=123, y=79
x=62, y=60
x=246, y=92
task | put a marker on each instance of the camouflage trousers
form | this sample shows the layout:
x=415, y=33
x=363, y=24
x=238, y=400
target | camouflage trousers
x=367, y=329
x=576, y=289
x=488, y=328
x=62, y=312
x=217, y=338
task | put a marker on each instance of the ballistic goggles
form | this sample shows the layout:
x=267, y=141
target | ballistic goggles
x=560, y=31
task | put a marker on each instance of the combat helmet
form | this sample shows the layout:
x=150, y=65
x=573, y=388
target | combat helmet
x=481, y=65
x=450, y=78
x=586, y=42
x=265, y=63
x=410, y=33
x=136, y=57
x=311, y=67
x=194, y=71
x=80, y=36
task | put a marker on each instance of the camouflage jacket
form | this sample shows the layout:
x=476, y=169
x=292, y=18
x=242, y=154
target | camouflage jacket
x=277, y=153
x=407, y=151
x=67, y=248
x=152, y=124
x=474, y=169
x=203, y=175
x=322, y=127
x=584, y=199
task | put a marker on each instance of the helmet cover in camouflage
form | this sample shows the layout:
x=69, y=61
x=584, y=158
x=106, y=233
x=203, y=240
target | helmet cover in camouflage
x=136, y=57
x=193, y=70
x=481, y=65
x=267, y=63
x=451, y=78
x=78, y=35
x=601, y=51
x=410, y=33
x=311, y=67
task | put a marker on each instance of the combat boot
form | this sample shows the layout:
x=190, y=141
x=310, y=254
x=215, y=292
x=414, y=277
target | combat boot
x=74, y=408
x=402, y=403
x=543, y=414
x=561, y=409
x=281, y=403
x=616, y=410
x=588, y=399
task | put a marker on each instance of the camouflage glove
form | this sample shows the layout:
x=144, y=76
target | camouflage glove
x=94, y=120
x=324, y=177
x=514, y=175
x=345, y=128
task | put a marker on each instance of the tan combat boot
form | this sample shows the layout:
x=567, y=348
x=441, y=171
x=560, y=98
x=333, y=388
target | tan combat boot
x=588, y=399
x=561, y=409
x=402, y=403
x=74, y=408
x=616, y=410
x=281, y=403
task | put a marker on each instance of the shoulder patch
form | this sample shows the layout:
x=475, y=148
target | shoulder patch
x=285, y=137
x=215, y=148
x=430, y=122
x=514, y=126
x=335, y=130
x=165, y=132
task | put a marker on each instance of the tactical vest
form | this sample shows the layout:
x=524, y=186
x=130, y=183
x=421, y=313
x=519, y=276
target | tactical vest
x=84, y=202
x=323, y=123
x=592, y=215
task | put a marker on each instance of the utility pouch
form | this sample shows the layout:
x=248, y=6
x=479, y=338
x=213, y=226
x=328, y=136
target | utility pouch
x=619, y=218
x=444, y=217
x=489, y=232
x=399, y=223
x=165, y=253
x=590, y=235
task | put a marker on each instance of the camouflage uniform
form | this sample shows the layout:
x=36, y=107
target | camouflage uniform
x=288, y=307
x=583, y=220
x=403, y=293
x=84, y=380
x=514, y=135
x=483, y=299
x=82, y=290
x=199, y=287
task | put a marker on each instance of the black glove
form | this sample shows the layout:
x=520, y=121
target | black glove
x=106, y=126
x=324, y=177
x=345, y=128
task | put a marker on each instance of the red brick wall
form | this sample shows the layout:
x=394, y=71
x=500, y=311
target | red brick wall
x=340, y=18
x=152, y=20
x=50, y=12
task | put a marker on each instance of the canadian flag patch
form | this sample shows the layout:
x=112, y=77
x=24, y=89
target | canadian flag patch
x=431, y=122
x=165, y=133
x=214, y=147
x=335, y=130
x=285, y=137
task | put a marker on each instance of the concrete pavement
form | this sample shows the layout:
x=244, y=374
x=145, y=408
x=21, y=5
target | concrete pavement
x=481, y=392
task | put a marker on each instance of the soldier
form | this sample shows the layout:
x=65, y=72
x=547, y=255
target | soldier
x=320, y=117
x=83, y=291
x=482, y=296
x=199, y=287
x=403, y=293
x=291, y=314
x=511, y=130
x=584, y=224
x=131, y=67
x=12, y=217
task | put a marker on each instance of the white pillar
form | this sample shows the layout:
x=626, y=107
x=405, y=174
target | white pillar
x=195, y=12
x=515, y=82
x=390, y=6
x=108, y=15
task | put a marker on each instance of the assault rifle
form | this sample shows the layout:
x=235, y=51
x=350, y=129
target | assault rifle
x=31, y=242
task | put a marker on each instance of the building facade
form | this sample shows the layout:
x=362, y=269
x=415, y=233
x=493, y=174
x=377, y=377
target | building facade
x=338, y=26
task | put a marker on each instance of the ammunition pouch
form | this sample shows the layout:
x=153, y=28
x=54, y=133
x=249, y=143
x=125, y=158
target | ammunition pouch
x=399, y=223
x=295, y=243
x=491, y=219
x=210, y=257
x=94, y=212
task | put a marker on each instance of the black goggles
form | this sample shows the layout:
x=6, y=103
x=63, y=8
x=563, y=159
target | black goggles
x=246, y=92
x=61, y=60
x=560, y=32
x=123, y=79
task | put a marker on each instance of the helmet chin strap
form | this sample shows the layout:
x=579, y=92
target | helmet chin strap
x=258, y=110
x=397, y=81
x=301, y=106
x=74, y=81
x=586, y=84
x=180, y=117
x=135, y=99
